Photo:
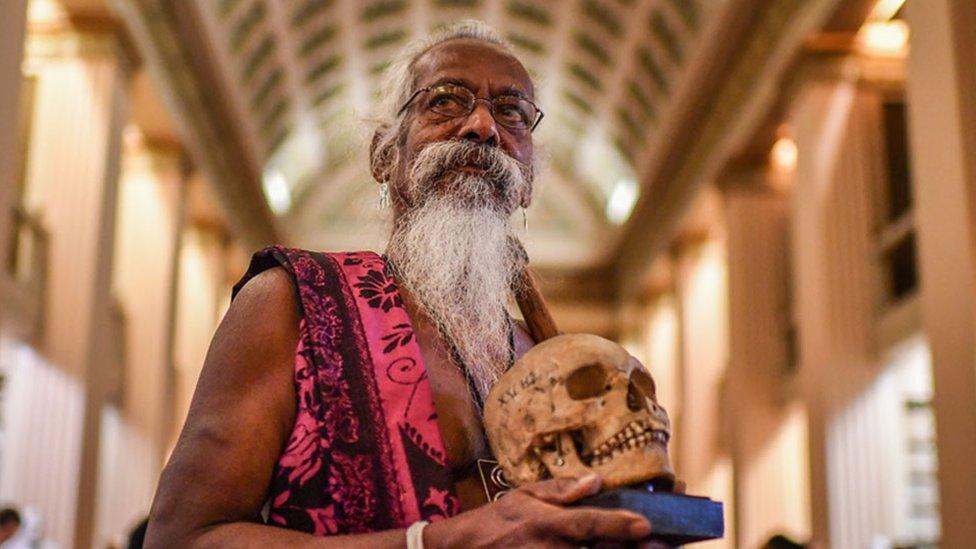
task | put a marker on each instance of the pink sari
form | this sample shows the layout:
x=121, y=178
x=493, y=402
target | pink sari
x=365, y=453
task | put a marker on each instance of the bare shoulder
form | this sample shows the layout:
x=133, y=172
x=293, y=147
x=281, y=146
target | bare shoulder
x=265, y=313
x=270, y=291
x=242, y=412
x=254, y=346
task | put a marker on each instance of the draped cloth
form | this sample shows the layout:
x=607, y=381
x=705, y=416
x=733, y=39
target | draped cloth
x=365, y=453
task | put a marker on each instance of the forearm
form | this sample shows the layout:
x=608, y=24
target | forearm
x=246, y=534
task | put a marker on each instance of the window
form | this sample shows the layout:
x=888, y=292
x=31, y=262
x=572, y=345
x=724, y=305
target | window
x=896, y=228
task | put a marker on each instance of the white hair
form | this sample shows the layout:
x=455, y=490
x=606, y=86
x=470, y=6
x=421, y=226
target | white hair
x=399, y=80
x=452, y=245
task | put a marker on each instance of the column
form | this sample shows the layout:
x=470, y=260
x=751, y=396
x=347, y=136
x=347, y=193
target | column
x=942, y=115
x=200, y=299
x=768, y=426
x=80, y=108
x=13, y=18
x=836, y=124
x=134, y=424
x=702, y=442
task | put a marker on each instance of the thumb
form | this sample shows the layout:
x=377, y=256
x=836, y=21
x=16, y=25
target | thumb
x=564, y=490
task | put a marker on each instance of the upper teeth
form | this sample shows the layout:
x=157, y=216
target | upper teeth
x=635, y=435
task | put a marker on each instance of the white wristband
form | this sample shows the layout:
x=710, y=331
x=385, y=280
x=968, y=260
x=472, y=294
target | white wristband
x=415, y=535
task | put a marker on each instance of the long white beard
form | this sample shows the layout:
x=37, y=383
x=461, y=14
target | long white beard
x=459, y=265
x=454, y=251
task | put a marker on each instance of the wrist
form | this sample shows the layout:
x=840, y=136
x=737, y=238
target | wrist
x=438, y=535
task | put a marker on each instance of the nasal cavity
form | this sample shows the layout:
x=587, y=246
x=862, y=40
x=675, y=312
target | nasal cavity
x=639, y=390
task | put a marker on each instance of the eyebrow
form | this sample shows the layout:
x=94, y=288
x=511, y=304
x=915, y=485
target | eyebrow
x=506, y=90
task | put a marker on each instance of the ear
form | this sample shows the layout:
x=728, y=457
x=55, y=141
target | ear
x=380, y=158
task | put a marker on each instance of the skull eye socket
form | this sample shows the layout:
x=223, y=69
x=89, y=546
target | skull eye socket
x=587, y=382
x=644, y=383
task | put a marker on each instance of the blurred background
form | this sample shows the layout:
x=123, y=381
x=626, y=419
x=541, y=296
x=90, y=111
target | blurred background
x=769, y=202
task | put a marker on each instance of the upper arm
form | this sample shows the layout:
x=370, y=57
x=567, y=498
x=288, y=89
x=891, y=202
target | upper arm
x=240, y=418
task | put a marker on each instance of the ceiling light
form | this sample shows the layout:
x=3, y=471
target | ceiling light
x=276, y=191
x=622, y=201
x=784, y=154
x=45, y=11
x=886, y=38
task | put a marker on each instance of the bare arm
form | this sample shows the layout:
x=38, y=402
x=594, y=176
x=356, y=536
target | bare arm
x=211, y=492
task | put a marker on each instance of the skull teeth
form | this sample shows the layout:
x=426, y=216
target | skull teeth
x=637, y=434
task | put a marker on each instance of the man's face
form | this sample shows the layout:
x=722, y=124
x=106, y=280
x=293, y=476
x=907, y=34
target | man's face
x=485, y=70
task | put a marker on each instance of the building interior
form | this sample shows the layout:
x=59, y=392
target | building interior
x=768, y=202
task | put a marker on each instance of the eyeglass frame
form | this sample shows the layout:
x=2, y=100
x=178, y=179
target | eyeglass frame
x=491, y=102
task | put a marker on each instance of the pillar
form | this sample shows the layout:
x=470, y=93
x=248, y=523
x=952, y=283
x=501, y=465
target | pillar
x=200, y=299
x=836, y=123
x=80, y=107
x=942, y=123
x=134, y=424
x=702, y=443
x=768, y=426
x=13, y=17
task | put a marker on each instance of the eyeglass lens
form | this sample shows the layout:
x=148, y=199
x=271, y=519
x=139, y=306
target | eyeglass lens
x=508, y=110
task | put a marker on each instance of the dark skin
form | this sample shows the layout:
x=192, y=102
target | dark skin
x=216, y=482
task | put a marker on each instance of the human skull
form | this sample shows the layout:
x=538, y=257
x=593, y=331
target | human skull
x=577, y=404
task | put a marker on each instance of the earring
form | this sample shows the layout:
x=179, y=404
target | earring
x=384, y=195
x=525, y=221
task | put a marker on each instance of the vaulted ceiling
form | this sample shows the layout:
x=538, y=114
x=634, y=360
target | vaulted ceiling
x=300, y=78
x=643, y=100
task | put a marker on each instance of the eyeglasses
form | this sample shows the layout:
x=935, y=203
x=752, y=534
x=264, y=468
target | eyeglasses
x=511, y=111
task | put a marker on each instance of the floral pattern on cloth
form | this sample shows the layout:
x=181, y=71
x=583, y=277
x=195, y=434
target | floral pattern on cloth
x=365, y=453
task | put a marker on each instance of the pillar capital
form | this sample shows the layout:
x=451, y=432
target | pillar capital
x=160, y=157
x=754, y=177
x=829, y=58
x=59, y=35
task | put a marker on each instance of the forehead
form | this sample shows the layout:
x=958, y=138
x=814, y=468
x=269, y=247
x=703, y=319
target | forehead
x=475, y=62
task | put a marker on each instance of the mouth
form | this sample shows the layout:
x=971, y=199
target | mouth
x=637, y=434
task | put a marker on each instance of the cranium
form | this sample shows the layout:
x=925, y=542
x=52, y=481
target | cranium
x=576, y=404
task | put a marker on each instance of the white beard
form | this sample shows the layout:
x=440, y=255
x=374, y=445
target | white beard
x=458, y=258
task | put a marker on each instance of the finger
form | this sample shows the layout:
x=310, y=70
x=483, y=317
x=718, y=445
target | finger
x=587, y=523
x=563, y=490
x=680, y=486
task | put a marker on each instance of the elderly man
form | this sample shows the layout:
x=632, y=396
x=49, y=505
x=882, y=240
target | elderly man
x=341, y=395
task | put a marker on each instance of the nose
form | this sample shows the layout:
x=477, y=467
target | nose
x=480, y=125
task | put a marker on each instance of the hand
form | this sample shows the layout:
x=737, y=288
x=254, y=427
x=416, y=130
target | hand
x=534, y=516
